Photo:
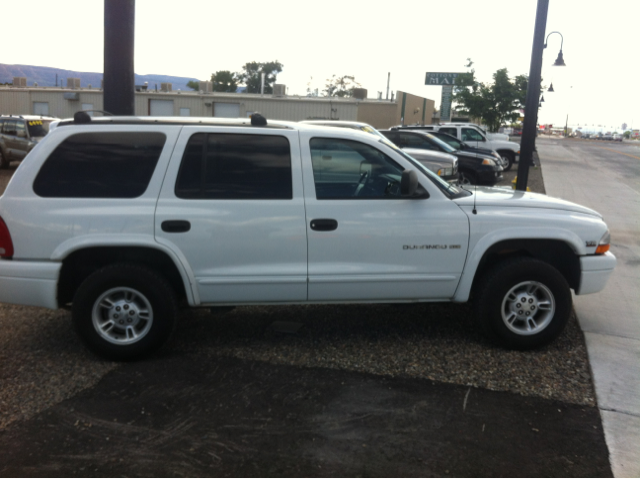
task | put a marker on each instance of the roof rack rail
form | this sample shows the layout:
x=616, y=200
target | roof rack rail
x=83, y=116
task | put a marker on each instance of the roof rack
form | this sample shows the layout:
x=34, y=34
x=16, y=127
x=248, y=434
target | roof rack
x=83, y=118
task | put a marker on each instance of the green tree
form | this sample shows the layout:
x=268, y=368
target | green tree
x=627, y=134
x=224, y=81
x=341, y=86
x=251, y=75
x=194, y=84
x=494, y=103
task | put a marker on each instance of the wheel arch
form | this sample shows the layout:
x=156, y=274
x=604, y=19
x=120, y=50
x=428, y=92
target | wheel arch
x=562, y=254
x=82, y=262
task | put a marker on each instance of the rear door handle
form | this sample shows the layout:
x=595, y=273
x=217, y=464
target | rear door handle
x=176, y=226
x=324, y=225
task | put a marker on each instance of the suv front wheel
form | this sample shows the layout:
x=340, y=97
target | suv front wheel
x=508, y=158
x=524, y=303
x=124, y=311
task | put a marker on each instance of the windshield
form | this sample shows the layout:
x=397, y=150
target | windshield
x=447, y=188
x=38, y=127
x=440, y=143
x=451, y=141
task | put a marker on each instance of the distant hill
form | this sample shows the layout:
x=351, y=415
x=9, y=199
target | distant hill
x=46, y=76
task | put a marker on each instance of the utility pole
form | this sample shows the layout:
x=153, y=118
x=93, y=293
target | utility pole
x=533, y=93
x=388, y=79
x=119, y=32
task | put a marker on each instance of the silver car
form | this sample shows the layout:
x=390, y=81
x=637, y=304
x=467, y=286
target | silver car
x=19, y=134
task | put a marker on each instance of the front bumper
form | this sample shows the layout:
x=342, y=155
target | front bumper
x=594, y=272
x=489, y=177
x=30, y=283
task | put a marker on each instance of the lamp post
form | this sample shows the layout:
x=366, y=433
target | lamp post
x=119, y=30
x=559, y=61
x=532, y=103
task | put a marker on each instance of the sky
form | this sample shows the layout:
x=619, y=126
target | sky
x=315, y=40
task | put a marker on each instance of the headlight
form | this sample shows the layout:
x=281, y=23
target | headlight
x=445, y=172
x=603, y=245
x=489, y=162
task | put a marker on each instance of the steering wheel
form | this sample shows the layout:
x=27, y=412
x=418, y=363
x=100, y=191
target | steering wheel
x=363, y=181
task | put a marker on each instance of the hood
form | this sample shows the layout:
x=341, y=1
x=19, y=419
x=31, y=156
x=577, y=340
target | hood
x=430, y=155
x=506, y=197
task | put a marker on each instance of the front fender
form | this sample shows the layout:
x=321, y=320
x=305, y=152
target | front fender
x=484, y=242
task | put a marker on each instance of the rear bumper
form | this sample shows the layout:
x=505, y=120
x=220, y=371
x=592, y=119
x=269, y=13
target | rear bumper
x=29, y=283
x=594, y=272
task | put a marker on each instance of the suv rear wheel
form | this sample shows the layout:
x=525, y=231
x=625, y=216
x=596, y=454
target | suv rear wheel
x=124, y=311
x=524, y=303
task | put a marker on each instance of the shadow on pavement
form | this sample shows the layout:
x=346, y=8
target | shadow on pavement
x=184, y=415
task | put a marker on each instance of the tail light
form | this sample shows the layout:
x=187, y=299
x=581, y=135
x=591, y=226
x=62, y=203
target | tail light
x=6, y=245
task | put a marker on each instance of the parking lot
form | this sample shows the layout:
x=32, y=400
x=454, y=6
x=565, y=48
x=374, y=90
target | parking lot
x=426, y=355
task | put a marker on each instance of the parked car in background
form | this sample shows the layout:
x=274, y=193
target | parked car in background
x=453, y=142
x=607, y=136
x=19, y=135
x=354, y=125
x=473, y=168
x=617, y=137
x=442, y=164
x=474, y=137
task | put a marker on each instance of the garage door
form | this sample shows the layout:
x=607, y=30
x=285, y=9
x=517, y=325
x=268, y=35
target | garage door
x=161, y=107
x=226, y=110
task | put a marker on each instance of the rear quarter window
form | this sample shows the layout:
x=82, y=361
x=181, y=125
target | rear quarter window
x=100, y=165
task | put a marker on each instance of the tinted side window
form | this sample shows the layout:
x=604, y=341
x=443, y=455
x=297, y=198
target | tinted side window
x=469, y=134
x=451, y=131
x=350, y=169
x=416, y=141
x=100, y=165
x=10, y=127
x=21, y=131
x=227, y=166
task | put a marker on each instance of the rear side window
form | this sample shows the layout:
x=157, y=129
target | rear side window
x=226, y=166
x=100, y=165
x=450, y=131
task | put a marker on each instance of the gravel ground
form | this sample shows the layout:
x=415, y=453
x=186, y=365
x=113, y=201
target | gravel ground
x=43, y=362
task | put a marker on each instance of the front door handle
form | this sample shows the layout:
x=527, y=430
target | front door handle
x=324, y=225
x=176, y=226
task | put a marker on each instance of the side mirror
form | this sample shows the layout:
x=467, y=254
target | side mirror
x=408, y=183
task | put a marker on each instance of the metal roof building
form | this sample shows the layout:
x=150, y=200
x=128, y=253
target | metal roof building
x=64, y=102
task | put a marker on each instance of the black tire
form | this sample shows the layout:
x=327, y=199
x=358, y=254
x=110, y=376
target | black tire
x=468, y=178
x=494, y=309
x=131, y=290
x=4, y=162
x=510, y=157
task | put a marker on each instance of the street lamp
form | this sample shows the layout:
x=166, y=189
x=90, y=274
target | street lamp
x=560, y=60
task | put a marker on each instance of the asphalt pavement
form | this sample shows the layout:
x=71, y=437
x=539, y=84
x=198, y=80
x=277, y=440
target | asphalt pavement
x=605, y=176
x=186, y=415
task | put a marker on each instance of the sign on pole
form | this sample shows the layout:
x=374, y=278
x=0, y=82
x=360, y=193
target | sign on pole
x=441, y=78
x=446, y=80
x=445, y=103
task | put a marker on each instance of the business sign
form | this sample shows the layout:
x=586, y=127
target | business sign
x=441, y=78
x=445, y=103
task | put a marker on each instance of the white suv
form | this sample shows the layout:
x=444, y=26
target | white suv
x=125, y=218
